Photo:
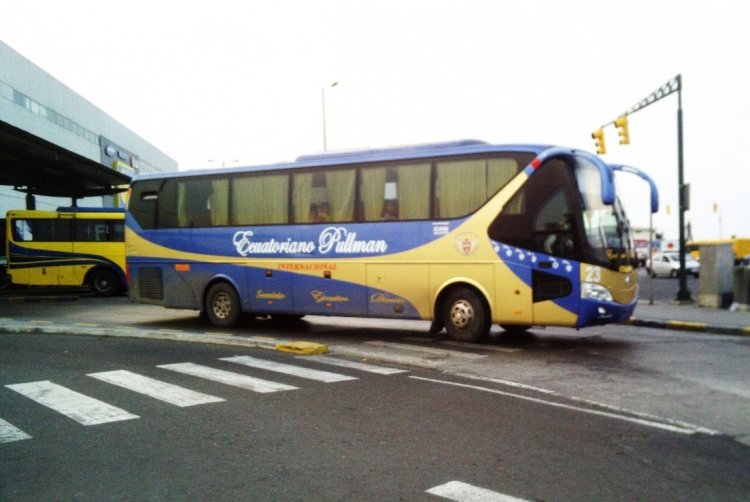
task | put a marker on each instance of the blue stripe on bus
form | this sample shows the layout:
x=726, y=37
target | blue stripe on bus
x=22, y=257
x=340, y=240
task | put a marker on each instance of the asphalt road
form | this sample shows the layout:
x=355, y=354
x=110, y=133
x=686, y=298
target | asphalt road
x=366, y=437
x=664, y=289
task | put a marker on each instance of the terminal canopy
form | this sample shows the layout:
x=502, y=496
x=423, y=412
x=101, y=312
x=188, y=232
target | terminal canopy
x=33, y=165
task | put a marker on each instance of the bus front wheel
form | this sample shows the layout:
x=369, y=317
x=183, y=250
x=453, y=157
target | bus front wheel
x=465, y=315
x=222, y=305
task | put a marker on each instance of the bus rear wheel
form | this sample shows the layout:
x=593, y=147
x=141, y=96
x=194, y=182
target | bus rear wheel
x=465, y=315
x=222, y=305
x=103, y=282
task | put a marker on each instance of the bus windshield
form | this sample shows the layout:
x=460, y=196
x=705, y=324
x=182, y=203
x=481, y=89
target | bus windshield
x=607, y=230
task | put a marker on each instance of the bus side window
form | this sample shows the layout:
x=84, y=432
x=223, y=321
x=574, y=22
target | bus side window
x=325, y=196
x=197, y=211
x=22, y=231
x=539, y=217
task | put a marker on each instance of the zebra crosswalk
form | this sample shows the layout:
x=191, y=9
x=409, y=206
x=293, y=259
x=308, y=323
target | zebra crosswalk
x=227, y=377
x=167, y=392
x=89, y=411
x=81, y=408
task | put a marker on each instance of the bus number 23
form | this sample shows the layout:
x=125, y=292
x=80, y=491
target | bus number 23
x=593, y=274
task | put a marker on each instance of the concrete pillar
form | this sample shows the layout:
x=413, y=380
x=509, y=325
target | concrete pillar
x=716, y=277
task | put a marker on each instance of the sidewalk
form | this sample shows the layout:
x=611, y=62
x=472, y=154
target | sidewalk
x=669, y=315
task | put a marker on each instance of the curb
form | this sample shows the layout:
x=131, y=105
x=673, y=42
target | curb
x=699, y=327
x=38, y=299
x=258, y=342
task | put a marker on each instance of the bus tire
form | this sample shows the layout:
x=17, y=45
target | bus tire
x=103, y=282
x=465, y=315
x=222, y=305
x=4, y=279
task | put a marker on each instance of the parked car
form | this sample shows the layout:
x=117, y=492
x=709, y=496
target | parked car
x=668, y=264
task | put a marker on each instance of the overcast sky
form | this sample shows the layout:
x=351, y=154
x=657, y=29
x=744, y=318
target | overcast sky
x=240, y=82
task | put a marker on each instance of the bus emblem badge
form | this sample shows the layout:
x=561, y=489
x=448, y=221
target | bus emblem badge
x=467, y=244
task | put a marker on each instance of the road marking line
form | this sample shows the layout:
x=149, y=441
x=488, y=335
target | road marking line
x=671, y=427
x=344, y=363
x=479, y=346
x=83, y=409
x=388, y=356
x=509, y=383
x=227, y=377
x=465, y=345
x=288, y=369
x=173, y=394
x=598, y=404
x=427, y=350
x=10, y=433
x=463, y=492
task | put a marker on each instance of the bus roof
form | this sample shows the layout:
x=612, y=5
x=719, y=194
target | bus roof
x=333, y=158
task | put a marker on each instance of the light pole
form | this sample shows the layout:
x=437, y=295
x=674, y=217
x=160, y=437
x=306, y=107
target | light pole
x=717, y=210
x=323, y=102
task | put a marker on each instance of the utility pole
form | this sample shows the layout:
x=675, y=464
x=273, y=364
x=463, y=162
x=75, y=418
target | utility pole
x=683, y=294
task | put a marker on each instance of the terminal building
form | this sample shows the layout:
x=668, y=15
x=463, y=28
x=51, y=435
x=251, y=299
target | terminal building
x=58, y=149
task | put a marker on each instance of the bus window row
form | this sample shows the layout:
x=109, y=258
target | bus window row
x=63, y=230
x=415, y=191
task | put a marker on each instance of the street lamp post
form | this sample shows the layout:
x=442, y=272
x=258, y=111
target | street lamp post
x=323, y=104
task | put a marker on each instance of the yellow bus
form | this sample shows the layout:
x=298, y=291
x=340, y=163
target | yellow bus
x=465, y=234
x=740, y=247
x=68, y=247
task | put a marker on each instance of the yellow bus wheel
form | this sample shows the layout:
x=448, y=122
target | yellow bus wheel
x=465, y=315
x=222, y=305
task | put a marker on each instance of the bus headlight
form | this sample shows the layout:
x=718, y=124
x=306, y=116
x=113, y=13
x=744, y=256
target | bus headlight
x=593, y=291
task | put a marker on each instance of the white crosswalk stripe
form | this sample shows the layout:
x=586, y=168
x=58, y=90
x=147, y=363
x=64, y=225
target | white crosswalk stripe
x=9, y=432
x=173, y=394
x=89, y=411
x=345, y=363
x=463, y=492
x=227, y=377
x=288, y=369
x=81, y=408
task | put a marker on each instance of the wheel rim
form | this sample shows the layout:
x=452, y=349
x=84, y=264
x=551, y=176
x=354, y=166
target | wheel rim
x=102, y=284
x=462, y=314
x=222, y=306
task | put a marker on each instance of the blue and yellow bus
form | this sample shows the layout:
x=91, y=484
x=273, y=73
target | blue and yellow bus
x=67, y=247
x=465, y=234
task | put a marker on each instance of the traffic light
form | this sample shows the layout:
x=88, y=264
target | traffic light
x=622, y=129
x=598, y=136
